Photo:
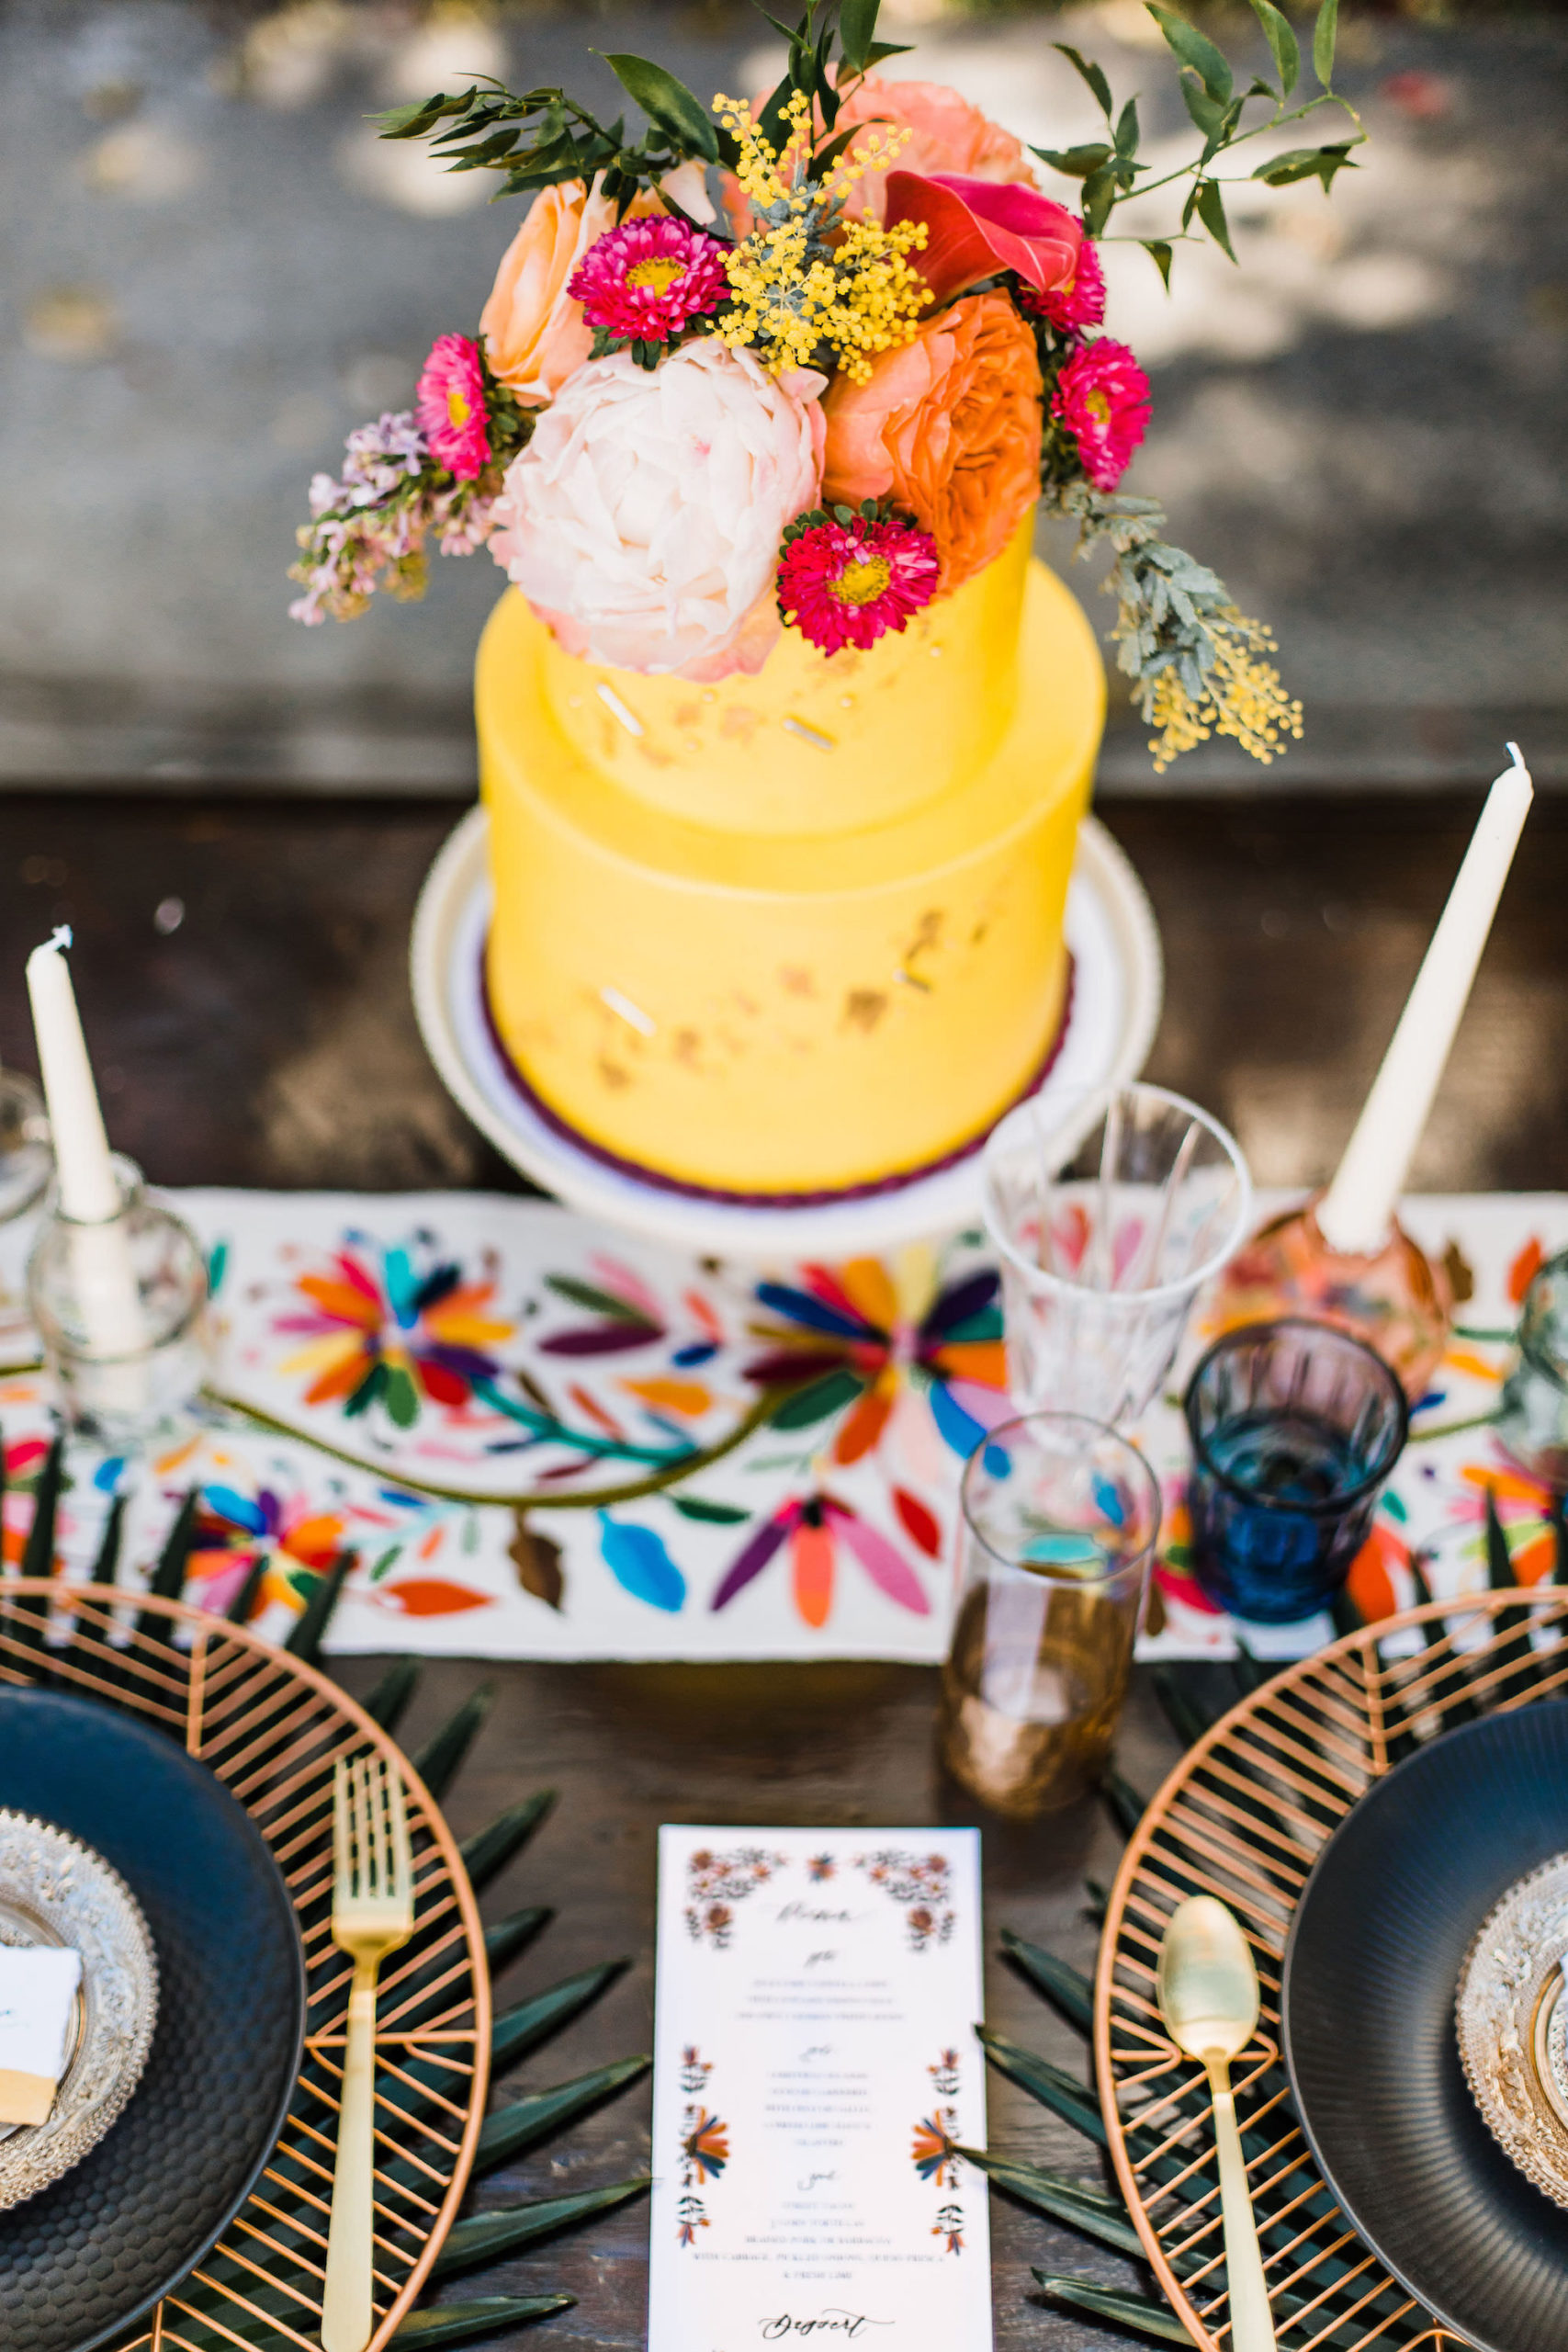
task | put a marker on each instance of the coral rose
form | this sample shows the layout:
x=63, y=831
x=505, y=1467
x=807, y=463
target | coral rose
x=946, y=134
x=536, y=334
x=642, y=522
x=949, y=426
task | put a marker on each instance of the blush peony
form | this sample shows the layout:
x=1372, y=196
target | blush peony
x=949, y=427
x=643, y=520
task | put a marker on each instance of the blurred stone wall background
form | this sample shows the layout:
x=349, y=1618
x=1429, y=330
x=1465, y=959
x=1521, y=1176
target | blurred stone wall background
x=212, y=269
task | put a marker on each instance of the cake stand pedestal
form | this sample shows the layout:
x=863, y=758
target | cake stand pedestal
x=1118, y=987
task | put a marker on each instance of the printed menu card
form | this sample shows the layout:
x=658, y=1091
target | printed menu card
x=815, y=2068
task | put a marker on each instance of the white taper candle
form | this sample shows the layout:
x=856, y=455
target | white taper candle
x=1356, y=1212
x=88, y=1192
x=108, y=1298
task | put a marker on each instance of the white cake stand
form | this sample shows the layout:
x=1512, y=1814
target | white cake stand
x=1117, y=992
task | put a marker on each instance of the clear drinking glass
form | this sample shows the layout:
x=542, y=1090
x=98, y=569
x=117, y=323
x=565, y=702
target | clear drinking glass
x=1108, y=1228
x=1294, y=1427
x=121, y=1310
x=1060, y=1517
x=1533, y=1422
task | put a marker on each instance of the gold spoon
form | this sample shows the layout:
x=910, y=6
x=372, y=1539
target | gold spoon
x=1208, y=1997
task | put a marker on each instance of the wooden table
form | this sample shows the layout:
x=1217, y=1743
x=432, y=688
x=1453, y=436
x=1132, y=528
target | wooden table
x=241, y=967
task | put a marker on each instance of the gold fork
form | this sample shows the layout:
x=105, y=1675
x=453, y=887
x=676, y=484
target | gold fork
x=372, y=1916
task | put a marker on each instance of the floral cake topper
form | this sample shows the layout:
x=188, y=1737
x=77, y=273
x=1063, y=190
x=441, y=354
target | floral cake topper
x=806, y=362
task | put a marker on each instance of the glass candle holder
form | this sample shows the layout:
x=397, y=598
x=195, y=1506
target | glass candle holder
x=1394, y=1298
x=25, y=1163
x=121, y=1310
x=1107, y=1229
x=1294, y=1427
x=1533, y=1419
x=1059, y=1522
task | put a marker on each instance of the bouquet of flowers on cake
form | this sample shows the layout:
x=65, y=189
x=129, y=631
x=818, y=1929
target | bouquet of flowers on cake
x=806, y=364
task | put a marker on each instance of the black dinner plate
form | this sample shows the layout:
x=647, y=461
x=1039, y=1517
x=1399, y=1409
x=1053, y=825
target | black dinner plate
x=1371, y=1971
x=92, y=2254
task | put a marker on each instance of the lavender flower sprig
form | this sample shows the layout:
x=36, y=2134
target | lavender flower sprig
x=369, y=529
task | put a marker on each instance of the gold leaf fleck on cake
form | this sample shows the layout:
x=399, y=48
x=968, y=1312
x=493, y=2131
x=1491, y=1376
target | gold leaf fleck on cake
x=928, y=935
x=688, y=714
x=863, y=1008
x=688, y=1048
x=796, y=980
x=739, y=723
x=613, y=1075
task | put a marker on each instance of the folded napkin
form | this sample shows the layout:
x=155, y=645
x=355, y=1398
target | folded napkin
x=38, y=1993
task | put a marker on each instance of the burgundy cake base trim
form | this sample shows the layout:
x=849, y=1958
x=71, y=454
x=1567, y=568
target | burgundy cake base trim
x=635, y=1170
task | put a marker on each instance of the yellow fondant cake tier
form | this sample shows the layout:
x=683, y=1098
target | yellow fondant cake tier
x=756, y=1006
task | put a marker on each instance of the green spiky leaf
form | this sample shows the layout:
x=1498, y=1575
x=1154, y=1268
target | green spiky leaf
x=1159, y=253
x=1067, y=1986
x=38, y=1552
x=1065, y=2199
x=487, y=1851
x=450, y=2323
x=496, y=2237
x=1136, y=2312
x=511, y=2131
x=667, y=102
x=310, y=1627
x=1183, y=1711
x=389, y=1702
x=1061, y=2092
x=438, y=1760
x=520, y=2029
x=106, y=1567
x=504, y=1938
x=1124, y=1803
x=802, y=1406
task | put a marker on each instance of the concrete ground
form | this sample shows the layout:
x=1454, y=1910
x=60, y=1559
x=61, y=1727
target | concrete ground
x=211, y=270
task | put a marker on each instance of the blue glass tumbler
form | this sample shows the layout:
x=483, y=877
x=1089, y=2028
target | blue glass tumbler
x=1295, y=1426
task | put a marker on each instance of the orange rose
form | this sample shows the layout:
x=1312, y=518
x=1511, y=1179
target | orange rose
x=947, y=134
x=950, y=426
x=535, y=335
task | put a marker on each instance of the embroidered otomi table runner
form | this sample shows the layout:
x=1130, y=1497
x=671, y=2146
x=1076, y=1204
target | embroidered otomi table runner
x=542, y=1439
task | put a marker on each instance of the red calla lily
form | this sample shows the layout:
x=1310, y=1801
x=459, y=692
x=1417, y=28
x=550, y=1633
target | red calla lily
x=975, y=228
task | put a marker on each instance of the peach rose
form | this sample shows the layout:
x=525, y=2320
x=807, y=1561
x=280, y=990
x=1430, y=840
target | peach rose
x=950, y=426
x=535, y=335
x=947, y=135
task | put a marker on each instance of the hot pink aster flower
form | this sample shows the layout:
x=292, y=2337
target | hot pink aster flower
x=643, y=281
x=450, y=405
x=849, y=583
x=1078, y=303
x=1101, y=399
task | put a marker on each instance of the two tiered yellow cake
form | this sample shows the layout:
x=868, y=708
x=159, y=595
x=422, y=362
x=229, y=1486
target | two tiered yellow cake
x=800, y=931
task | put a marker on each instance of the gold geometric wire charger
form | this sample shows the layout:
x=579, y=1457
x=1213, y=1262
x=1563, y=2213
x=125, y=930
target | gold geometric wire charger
x=1245, y=1816
x=272, y=1728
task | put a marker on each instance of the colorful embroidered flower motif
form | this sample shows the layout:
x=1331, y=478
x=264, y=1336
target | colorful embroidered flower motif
x=814, y=1526
x=1078, y=302
x=691, y=2216
x=848, y=1337
x=380, y=1329
x=298, y=1540
x=933, y=2151
x=919, y=1881
x=646, y=280
x=1101, y=400
x=706, y=2146
x=710, y=1877
x=849, y=579
x=819, y=1869
x=1525, y=1513
x=450, y=406
x=949, y=2224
